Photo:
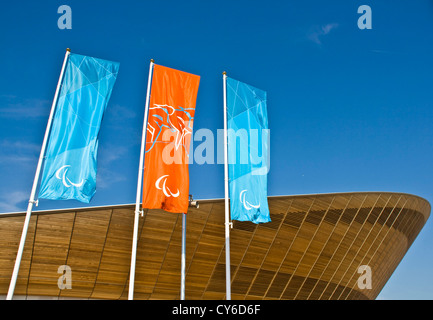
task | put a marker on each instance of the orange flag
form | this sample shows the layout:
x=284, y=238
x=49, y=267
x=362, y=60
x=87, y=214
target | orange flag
x=169, y=132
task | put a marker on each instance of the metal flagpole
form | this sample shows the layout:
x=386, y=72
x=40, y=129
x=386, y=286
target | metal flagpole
x=32, y=200
x=195, y=204
x=183, y=259
x=226, y=184
x=139, y=184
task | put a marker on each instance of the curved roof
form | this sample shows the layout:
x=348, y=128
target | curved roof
x=312, y=249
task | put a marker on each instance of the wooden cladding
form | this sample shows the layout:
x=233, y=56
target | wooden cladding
x=311, y=250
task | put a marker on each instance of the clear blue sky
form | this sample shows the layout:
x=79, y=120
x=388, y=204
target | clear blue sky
x=349, y=109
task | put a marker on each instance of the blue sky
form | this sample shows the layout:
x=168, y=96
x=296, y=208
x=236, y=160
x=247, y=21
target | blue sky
x=349, y=109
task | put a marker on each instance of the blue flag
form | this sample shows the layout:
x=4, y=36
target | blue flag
x=248, y=152
x=70, y=161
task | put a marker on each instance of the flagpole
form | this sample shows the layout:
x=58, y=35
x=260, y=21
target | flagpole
x=139, y=184
x=226, y=185
x=183, y=258
x=32, y=200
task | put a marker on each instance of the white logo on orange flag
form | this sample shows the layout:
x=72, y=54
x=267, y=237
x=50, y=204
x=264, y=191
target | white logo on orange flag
x=164, y=187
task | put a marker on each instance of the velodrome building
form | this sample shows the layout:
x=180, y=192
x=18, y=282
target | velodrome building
x=312, y=250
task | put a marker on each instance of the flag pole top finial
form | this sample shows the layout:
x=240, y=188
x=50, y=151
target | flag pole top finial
x=67, y=49
x=151, y=60
x=224, y=73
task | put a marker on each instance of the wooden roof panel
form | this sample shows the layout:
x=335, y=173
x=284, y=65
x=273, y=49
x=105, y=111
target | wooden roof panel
x=311, y=250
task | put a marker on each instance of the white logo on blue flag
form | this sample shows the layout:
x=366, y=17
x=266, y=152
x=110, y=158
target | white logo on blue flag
x=246, y=204
x=65, y=180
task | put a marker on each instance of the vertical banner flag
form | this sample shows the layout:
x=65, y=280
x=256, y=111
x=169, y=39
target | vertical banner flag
x=70, y=166
x=248, y=152
x=169, y=131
